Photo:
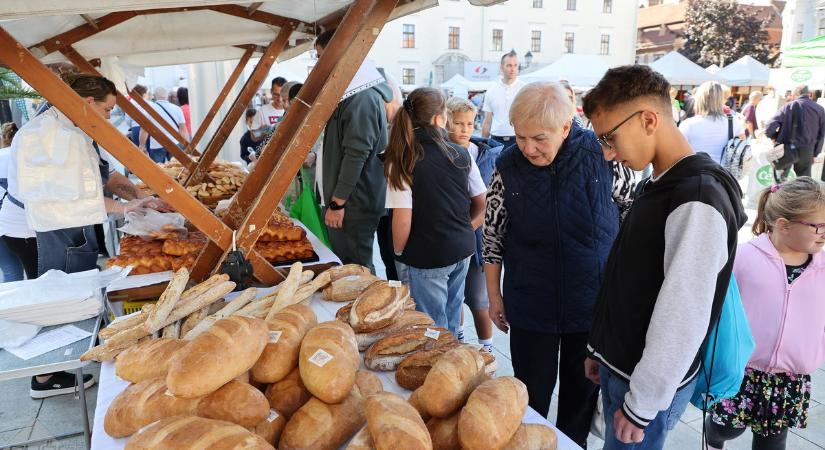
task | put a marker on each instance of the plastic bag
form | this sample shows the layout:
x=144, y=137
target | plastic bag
x=760, y=170
x=151, y=224
x=14, y=334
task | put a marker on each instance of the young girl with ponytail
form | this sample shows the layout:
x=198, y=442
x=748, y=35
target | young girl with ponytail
x=781, y=277
x=433, y=208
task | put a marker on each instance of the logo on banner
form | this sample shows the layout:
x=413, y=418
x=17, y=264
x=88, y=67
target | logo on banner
x=801, y=75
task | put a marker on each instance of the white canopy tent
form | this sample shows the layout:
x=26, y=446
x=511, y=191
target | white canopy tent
x=459, y=81
x=680, y=71
x=746, y=71
x=581, y=71
x=713, y=68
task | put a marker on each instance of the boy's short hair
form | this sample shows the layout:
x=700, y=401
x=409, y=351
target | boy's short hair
x=459, y=105
x=624, y=84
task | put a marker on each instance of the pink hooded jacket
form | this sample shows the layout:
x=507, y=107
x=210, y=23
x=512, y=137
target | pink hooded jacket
x=787, y=321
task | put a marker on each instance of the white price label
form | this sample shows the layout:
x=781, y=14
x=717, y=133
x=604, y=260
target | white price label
x=432, y=334
x=274, y=336
x=395, y=284
x=67, y=352
x=320, y=358
x=169, y=393
x=352, y=278
x=272, y=416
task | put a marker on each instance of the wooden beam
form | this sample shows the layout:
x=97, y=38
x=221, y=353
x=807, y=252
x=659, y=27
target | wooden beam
x=216, y=105
x=253, y=7
x=15, y=56
x=89, y=20
x=257, y=16
x=239, y=106
x=158, y=118
x=80, y=62
x=254, y=203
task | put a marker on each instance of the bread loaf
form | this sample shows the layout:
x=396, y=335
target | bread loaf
x=532, y=436
x=286, y=331
x=143, y=403
x=270, y=429
x=378, y=306
x=289, y=394
x=361, y=441
x=415, y=401
x=343, y=313
x=451, y=380
x=338, y=272
x=235, y=402
x=444, y=433
x=328, y=361
x=320, y=426
x=348, y=288
x=195, y=433
x=394, y=423
x=407, y=319
x=492, y=413
x=413, y=369
x=148, y=359
x=224, y=351
x=387, y=353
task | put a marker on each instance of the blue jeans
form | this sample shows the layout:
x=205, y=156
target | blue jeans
x=70, y=250
x=614, y=389
x=437, y=292
x=10, y=264
x=159, y=155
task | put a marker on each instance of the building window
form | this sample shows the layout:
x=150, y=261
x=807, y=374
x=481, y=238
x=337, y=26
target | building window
x=571, y=5
x=498, y=40
x=535, y=41
x=569, y=39
x=607, y=6
x=604, y=45
x=538, y=3
x=453, y=38
x=654, y=2
x=408, y=76
x=408, y=36
x=821, y=30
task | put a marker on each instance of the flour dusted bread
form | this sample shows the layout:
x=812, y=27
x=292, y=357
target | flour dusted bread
x=328, y=361
x=235, y=402
x=444, y=433
x=378, y=306
x=338, y=272
x=143, y=403
x=533, y=436
x=289, y=394
x=348, y=288
x=195, y=433
x=146, y=360
x=394, y=423
x=387, y=353
x=413, y=369
x=286, y=331
x=492, y=414
x=226, y=350
x=451, y=380
x=405, y=320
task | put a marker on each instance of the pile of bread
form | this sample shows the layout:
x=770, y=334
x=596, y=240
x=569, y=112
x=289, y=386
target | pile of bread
x=226, y=177
x=174, y=252
x=282, y=240
x=263, y=373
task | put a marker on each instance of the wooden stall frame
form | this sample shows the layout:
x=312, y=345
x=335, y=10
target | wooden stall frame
x=254, y=203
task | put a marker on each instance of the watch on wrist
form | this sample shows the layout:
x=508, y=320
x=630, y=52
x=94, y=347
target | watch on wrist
x=335, y=206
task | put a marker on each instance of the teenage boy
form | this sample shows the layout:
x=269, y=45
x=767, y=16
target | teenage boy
x=670, y=265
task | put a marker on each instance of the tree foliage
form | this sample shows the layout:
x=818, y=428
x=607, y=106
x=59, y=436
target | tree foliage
x=722, y=31
x=11, y=88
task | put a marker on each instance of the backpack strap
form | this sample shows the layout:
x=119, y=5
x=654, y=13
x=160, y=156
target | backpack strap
x=730, y=127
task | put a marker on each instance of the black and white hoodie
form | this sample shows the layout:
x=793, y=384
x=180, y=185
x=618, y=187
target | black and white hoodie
x=665, y=282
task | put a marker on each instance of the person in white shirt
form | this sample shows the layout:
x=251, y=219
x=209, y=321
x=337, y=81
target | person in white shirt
x=497, y=101
x=269, y=115
x=708, y=131
x=173, y=115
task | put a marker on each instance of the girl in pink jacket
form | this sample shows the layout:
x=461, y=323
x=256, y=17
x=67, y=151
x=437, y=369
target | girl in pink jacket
x=781, y=277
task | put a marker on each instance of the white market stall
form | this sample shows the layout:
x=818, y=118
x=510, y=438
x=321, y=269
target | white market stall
x=581, y=71
x=713, y=68
x=746, y=71
x=458, y=81
x=680, y=71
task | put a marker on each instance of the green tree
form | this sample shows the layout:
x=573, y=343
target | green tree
x=11, y=88
x=722, y=31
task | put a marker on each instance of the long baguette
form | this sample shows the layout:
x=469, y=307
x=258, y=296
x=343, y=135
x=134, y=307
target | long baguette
x=308, y=290
x=193, y=319
x=129, y=322
x=288, y=287
x=172, y=330
x=203, y=287
x=254, y=308
x=167, y=300
x=228, y=310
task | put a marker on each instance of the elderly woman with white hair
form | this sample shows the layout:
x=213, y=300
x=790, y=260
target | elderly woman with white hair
x=550, y=221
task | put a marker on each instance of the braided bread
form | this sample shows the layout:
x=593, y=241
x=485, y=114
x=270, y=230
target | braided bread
x=275, y=252
x=193, y=243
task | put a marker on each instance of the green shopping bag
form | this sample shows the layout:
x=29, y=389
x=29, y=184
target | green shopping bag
x=307, y=210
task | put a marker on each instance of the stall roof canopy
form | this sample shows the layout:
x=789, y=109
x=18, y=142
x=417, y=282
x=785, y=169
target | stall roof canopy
x=810, y=53
x=162, y=32
x=680, y=71
x=459, y=80
x=577, y=69
x=746, y=71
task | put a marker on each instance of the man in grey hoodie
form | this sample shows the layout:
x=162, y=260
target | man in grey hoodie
x=352, y=180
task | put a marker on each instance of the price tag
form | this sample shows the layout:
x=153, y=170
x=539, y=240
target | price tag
x=272, y=416
x=169, y=393
x=432, y=334
x=67, y=352
x=352, y=278
x=395, y=284
x=320, y=358
x=274, y=336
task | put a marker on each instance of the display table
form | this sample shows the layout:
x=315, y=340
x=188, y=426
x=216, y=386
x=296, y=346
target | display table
x=110, y=386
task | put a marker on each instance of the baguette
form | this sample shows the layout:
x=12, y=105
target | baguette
x=270, y=429
x=387, y=353
x=235, y=402
x=492, y=414
x=124, y=324
x=229, y=309
x=533, y=436
x=348, y=288
x=378, y=306
x=286, y=331
x=288, y=287
x=146, y=360
x=104, y=352
x=143, y=403
x=289, y=394
x=321, y=426
x=451, y=380
x=444, y=433
x=264, y=304
x=166, y=303
x=193, y=319
x=394, y=423
x=328, y=361
x=171, y=331
x=361, y=441
x=308, y=290
x=203, y=286
x=220, y=354
x=407, y=319
x=195, y=433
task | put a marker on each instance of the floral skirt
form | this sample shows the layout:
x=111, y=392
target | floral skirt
x=767, y=402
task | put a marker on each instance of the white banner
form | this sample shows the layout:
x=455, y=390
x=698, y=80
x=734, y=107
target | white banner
x=481, y=70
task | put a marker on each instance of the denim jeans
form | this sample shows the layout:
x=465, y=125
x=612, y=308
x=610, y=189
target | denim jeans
x=614, y=389
x=10, y=264
x=70, y=250
x=437, y=292
x=158, y=155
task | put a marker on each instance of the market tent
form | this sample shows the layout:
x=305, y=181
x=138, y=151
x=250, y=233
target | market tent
x=746, y=71
x=577, y=69
x=458, y=80
x=810, y=53
x=713, y=68
x=680, y=71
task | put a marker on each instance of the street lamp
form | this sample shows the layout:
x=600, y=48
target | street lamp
x=528, y=59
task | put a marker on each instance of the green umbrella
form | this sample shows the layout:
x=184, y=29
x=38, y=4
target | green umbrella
x=810, y=53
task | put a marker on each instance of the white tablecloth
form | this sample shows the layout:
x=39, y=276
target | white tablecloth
x=109, y=386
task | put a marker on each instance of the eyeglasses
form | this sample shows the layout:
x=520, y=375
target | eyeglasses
x=602, y=140
x=819, y=228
